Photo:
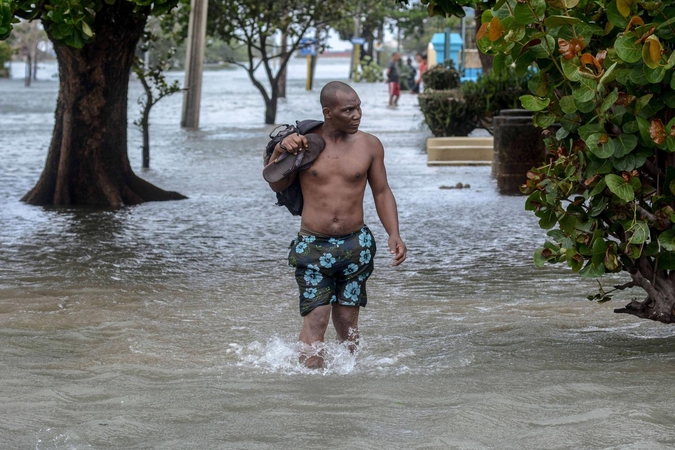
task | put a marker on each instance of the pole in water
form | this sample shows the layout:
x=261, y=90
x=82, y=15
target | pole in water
x=194, y=60
x=308, y=83
x=357, y=57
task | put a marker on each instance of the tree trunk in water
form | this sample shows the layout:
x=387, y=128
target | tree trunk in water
x=87, y=163
x=28, y=76
x=271, y=108
x=660, y=310
x=660, y=287
x=145, y=125
x=35, y=63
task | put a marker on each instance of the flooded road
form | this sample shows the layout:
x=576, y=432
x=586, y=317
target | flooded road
x=174, y=325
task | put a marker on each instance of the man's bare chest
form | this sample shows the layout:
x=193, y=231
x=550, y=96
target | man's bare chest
x=335, y=165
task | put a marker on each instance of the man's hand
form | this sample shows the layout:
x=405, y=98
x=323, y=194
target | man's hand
x=398, y=249
x=294, y=143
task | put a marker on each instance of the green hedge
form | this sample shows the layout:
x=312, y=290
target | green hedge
x=453, y=110
x=447, y=113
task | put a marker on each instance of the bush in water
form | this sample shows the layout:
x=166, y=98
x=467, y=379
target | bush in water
x=604, y=73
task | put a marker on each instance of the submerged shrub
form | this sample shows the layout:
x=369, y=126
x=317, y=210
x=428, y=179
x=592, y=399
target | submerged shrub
x=370, y=72
x=446, y=113
x=441, y=77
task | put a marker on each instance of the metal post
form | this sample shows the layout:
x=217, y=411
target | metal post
x=357, y=33
x=308, y=83
x=194, y=64
x=446, y=49
x=463, y=45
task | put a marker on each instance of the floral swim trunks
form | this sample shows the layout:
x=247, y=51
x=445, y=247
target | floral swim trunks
x=332, y=269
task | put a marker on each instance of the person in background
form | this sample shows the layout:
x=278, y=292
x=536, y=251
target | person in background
x=418, y=86
x=411, y=73
x=393, y=79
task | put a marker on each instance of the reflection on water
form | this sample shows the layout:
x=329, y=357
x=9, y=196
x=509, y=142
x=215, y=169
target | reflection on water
x=174, y=325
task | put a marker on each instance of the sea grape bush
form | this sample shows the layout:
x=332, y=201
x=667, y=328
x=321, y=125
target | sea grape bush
x=604, y=73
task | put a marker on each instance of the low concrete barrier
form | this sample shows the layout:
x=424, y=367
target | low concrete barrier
x=459, y=151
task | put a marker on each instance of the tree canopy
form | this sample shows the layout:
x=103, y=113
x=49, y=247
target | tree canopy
x=261, y=25
x=69, y=21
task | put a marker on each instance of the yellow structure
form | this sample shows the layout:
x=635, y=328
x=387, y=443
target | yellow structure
x=460, y=151
x=431, y=56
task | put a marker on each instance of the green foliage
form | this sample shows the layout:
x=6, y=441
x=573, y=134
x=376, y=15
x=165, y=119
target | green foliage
x=370, y=71
x=441, y=77
x=445, y=110
x=452, y=111
x=446, y=7
x=5, y=57
x=69, y=21
x=447, y=113
x=496, y=90
x=605, y=74
x=404, y=74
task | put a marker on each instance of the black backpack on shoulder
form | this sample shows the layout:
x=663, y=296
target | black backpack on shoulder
x=291, y=197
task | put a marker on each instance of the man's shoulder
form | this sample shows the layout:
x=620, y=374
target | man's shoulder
x=371, y=141
x=364, y=135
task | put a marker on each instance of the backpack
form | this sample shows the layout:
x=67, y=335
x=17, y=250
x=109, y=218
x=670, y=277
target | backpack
x=291, y=197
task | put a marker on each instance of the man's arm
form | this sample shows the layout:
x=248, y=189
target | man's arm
x=385, y=203
x=292, y=144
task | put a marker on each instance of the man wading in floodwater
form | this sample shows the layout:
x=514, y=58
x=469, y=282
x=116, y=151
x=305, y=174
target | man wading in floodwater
x=333, y=253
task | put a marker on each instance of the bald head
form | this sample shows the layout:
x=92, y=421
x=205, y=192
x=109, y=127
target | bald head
x=329, y=92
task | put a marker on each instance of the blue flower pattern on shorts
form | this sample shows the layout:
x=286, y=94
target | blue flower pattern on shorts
x=327, y=260
x=352, y=268
x=312, y=275
x=332, y=270
x=365, y=240
x=363, y=276
x=352, y=291
x=365, y=257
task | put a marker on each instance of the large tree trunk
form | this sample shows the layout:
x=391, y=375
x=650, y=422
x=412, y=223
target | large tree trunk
x=87, y=163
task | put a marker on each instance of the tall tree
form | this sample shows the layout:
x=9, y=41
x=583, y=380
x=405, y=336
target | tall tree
x=257, y=23
x=94, y=41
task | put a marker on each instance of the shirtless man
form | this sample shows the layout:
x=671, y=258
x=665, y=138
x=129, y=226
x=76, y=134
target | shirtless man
x=333, y=254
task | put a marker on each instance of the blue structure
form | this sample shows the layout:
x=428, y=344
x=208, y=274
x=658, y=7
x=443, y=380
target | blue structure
x=456, y=45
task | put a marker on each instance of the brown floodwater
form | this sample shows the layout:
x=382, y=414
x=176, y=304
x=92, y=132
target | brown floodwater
x=174, y=325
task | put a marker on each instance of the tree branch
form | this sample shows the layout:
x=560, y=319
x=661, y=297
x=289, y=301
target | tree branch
x=645, y=284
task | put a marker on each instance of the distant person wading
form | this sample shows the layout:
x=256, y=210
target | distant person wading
x=393, y=79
